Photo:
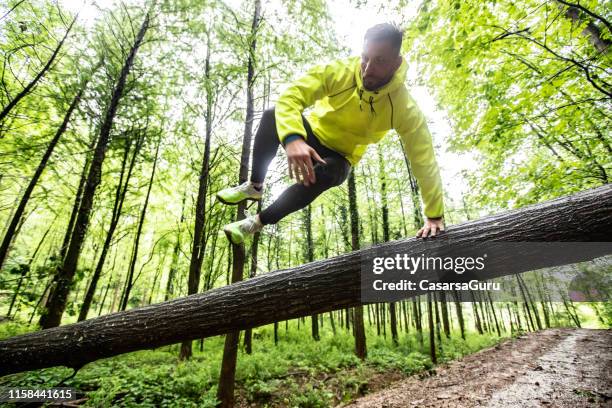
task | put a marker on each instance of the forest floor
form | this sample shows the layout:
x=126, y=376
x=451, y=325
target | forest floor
x=550, y=368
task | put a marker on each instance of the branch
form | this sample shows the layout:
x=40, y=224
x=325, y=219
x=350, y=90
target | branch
x=589, y=12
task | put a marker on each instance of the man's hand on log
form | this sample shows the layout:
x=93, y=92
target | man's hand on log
x=432, y=227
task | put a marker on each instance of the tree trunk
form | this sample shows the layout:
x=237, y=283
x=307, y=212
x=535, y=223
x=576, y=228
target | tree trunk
x=75, y=206
x=575, y=14
x=198, y=247
x=414, y=189
x=416, y=311
x=5, y=15
x=314, y=326
x=432, y=341
x=386, y=234
x=477, y=321
x=57, y=303
x=494, y=314
x=225, y=392
x=10, y=232
x=317, y=287
x=175, y=255
x=437, y=312
x=120, y=193
x=445, y=320
x=360, y=339
x=459, y=310
x=143, y=213
x=248, y=333
x=30, y=86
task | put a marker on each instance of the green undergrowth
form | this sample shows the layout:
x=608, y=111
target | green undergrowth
x=297, y=372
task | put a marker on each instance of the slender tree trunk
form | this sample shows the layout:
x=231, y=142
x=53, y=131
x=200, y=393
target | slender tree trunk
x=198, y=248
x=477, y=320
x=143, y=213
x=175, y=255
x=30, y=86
x=248, y=333
x=533, y=305
x=432, y=341
x=414, y=189
x=386, y=234
x=15, y=220
x=445, y=320
x=494, y=314
x=459, y=311
x=309, y=258
x=5, y=15
x=225, y=392
x=120, y=193
x=437, y=312
x=416, y=311
x=360, y=338
x=405, y=312
x=75, y=206
x=525, y=303
x=65, y=274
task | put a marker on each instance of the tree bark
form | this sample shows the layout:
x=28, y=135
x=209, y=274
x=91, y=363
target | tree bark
x=316, y=287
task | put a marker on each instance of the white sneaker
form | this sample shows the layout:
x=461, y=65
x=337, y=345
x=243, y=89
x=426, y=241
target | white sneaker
x=237, y=231
x=236, y=195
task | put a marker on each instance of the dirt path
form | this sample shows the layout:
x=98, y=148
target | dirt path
x=551, y=368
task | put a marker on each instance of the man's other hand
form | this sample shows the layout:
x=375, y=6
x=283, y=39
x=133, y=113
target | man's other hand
x=299, y=156
x=432, y=227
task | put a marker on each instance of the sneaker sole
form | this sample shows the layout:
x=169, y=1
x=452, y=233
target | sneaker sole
x=238, y=202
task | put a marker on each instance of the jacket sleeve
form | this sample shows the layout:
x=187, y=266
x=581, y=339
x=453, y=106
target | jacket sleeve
x=302, y=93
x=418, y=148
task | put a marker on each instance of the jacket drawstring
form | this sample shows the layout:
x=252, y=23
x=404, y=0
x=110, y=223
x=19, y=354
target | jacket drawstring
x=370, y=101
x=360, y=93
x=391, y=102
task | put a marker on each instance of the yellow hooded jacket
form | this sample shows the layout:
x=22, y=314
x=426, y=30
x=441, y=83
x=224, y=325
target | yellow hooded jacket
x=347, y=118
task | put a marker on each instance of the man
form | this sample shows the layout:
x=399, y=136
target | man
x=356, y=101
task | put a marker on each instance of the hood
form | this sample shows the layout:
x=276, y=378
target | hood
x=369, y=97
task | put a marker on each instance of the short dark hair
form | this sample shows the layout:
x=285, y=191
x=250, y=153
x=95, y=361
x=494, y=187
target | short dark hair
x=388, y=32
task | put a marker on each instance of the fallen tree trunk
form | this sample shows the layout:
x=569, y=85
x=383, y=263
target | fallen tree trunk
x=312, y=288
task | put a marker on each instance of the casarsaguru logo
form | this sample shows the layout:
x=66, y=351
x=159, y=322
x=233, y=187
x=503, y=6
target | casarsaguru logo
x=413, y=264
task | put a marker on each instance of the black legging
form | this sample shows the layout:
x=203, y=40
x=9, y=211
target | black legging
x=297, y=196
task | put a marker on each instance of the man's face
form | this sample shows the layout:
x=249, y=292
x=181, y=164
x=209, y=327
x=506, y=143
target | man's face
x=378, y=63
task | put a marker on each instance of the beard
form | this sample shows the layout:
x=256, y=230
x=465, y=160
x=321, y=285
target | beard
x=371, y=83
